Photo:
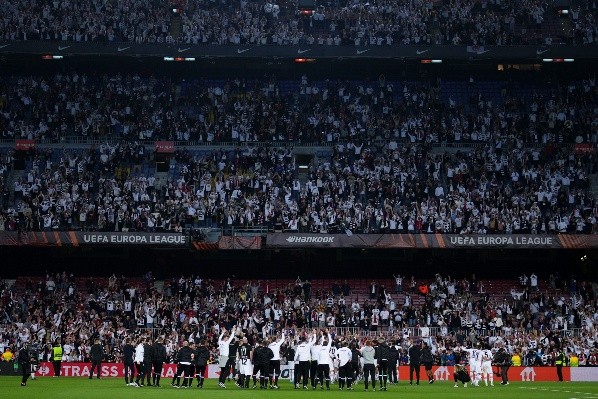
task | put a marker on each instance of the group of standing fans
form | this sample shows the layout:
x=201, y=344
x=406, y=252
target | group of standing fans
x=207, y=329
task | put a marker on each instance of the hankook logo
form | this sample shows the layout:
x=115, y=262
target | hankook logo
x=310, y=239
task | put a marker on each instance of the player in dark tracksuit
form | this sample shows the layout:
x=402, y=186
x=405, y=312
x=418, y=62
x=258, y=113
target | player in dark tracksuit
x=202, y=355
x=147, y=361
x=24, y=360
x=415, y=354
x=96, y=354
x=261, y=362
x=128, y=355
x=355, y=360
x=382, y=353
x=184, y=359
x=158, y=354
x=393, y=359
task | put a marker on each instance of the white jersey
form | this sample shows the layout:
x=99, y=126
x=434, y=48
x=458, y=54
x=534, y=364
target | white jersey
x=223, y=345
x=139, y=352
x=474, y=356
x=344, y=356
x=314, y=352
x=487, y=356
x=333, y=356
x=323, y=355
x=303, y=351
x=275, y=347
x=486, y=361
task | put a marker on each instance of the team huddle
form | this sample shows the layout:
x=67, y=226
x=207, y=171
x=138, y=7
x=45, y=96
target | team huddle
x=480, y=367
x=319, y=359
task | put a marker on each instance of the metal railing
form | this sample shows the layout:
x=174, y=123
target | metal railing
x=415, y=332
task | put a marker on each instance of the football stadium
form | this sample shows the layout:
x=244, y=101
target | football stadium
x=299, y=198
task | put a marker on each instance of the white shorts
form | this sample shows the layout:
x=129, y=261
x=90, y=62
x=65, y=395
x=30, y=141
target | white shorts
x=487, y=367
x=475, y=367
x=222, y=360
x=246, y=368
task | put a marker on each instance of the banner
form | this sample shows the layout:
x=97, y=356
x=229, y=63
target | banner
x=587, y=374
x=522, y=374
x=24, y=145
x=441, y=373
x=165, y=147
x=300, y=240
x=46, y=369
x=424, y=241
x=79, y=238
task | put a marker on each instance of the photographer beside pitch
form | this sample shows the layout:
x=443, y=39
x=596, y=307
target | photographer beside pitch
x=503, y=360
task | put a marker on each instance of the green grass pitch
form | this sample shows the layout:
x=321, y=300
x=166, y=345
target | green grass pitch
x=113, y=388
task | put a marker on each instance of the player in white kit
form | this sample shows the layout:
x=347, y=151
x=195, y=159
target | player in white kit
x=475, y=365
x=487, y=372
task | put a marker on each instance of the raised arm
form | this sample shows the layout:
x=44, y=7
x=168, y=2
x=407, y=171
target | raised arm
x=281, y=340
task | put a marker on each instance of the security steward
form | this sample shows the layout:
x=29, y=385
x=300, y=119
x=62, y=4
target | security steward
x=57, y=358
x=158, y=355
x=560, y=361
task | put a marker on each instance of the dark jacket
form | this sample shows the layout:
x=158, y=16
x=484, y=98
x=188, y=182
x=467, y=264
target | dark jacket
x=415, y=354
x=24, y=356
x=147, y=353
x=158, y=353
x=262, y=355
x=502, y=358
x=393, y=355
x=355, y=355
x=427, y=355
x=184, y=355
x=202, y=355
x=128, y=354
x=382, y=351
x=96, y=353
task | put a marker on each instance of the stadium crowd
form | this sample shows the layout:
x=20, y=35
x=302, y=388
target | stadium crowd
x=359, y=188
x=131, y=107
x=376, y=22
x=382, y=175
x=534, y=320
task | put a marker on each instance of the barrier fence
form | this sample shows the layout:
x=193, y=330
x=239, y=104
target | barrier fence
x=418, y=332
x=441, y=373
